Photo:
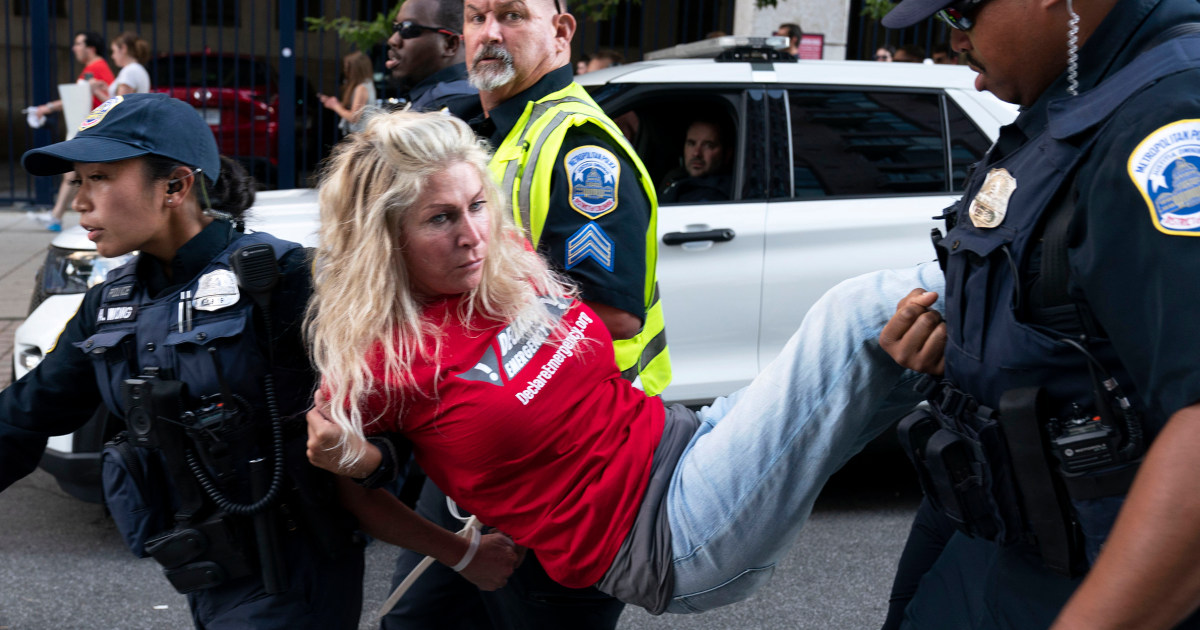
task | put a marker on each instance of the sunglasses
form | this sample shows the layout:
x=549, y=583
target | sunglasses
x=409, y=29
x=960, y=16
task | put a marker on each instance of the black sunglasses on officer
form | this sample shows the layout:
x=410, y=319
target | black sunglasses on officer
x=409, y=29
x=960, y=16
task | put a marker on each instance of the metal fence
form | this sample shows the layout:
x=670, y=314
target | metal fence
x=867, y=35
x=252, y=38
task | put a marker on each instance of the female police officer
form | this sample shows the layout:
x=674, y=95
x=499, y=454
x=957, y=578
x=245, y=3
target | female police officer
x=195, y=344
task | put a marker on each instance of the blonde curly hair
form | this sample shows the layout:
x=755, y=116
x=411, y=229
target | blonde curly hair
x=362, y=298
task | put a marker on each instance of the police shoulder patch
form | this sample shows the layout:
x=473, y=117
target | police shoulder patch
x=100, y=112
x=590, y=241
x=1165, y=168
x=594, y=173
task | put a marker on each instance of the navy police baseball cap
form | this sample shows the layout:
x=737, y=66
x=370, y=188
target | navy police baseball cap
x=909, y=12
x=131, y=126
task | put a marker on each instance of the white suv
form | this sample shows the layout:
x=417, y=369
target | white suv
x=838, y=169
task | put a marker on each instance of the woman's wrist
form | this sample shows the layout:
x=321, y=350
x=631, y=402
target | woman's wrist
x=472, y=548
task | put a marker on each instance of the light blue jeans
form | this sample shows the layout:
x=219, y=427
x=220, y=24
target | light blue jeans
x=747, y=481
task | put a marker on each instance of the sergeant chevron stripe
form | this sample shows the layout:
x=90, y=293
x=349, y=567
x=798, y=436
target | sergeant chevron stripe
x=590, y=242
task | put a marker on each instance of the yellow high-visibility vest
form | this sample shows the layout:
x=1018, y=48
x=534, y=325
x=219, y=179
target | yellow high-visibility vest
x=517, y=167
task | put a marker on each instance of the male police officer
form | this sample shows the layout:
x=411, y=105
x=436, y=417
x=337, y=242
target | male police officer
x=578, y=188
x=425, y=55
x=1069, y=275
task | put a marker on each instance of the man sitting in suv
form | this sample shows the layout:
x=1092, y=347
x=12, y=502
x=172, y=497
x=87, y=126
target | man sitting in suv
x=707, y=155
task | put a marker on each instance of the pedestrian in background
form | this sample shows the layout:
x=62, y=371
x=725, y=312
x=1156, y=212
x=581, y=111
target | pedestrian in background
x=87, y=48
x=792, y=32
x=129, y=52
x=358, y=93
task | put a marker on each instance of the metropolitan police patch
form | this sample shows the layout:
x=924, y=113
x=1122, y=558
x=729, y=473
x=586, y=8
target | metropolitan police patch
x=1165, y=167
x=594, y=173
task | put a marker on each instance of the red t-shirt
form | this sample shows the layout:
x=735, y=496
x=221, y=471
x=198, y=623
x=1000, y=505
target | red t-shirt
x=99, y=70
x=544, y=441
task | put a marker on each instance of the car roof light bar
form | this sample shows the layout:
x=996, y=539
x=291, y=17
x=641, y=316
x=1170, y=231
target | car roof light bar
x=727, y=48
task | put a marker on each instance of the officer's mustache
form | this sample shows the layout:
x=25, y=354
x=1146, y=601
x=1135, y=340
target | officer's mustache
x=494, y=51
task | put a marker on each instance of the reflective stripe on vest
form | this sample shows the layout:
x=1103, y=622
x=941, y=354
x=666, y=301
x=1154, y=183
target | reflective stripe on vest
x=526, y=180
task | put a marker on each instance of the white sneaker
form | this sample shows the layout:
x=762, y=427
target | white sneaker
x=42, y=217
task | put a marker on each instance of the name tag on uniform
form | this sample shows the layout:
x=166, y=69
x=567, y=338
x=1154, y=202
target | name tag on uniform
x=109, y=314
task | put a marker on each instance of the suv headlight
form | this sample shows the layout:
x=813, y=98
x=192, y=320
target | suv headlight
x=75, y=271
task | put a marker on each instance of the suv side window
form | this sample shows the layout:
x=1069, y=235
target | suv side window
x=967, y=144
x=850, y=143
x=657, y=120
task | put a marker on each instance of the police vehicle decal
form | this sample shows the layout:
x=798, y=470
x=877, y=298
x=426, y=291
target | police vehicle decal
x=100, y=112
x=216, y=290
x=590, y=242
x=517, y=345
x=1165, y=168
x=594, y=174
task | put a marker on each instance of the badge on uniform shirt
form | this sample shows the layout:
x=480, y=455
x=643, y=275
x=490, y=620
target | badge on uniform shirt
x=990, y=204
x=594, y=174
x=591, y=242
x=216, y=290
x=1165, y=168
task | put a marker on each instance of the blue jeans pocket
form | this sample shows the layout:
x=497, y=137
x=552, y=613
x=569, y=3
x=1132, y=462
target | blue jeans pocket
x=735, y=590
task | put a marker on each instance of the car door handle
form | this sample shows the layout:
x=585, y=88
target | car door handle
x=679, y=238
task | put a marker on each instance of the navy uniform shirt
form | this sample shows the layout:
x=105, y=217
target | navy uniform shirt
x=447, y=89
x=1137, y=275
x=620, y=282
x=61, y=393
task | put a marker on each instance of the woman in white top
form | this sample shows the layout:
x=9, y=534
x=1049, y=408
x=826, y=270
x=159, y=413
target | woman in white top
x=358, y=94
x=129, y=52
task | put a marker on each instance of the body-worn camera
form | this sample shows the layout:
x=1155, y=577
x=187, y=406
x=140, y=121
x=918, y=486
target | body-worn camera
x=147, y=399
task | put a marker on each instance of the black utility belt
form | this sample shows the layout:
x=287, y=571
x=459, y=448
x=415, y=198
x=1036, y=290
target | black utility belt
x=1006, y=476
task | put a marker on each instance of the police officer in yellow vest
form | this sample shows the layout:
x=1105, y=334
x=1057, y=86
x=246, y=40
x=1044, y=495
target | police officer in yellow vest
x=587, y=203
x=578, y=188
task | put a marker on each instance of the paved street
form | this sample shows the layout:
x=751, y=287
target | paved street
x=62, y=564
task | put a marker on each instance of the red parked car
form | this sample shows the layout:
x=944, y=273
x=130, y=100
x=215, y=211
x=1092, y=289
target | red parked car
x=238, y=95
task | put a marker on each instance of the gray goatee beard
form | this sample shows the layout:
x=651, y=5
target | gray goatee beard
x=491, y=77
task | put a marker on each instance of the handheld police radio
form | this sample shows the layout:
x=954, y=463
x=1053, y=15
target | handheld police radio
x=1085, y=442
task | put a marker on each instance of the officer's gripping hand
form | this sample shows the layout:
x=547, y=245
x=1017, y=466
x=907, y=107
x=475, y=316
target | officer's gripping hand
x=326, y=445
x=497, y=558
x=915, y=336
